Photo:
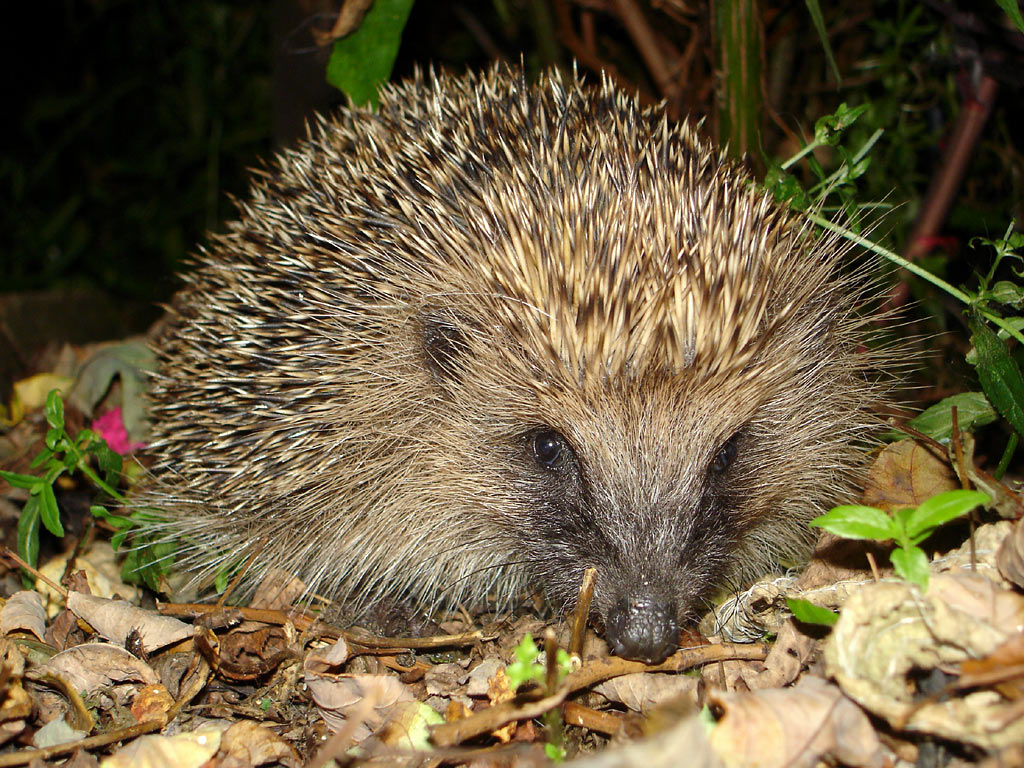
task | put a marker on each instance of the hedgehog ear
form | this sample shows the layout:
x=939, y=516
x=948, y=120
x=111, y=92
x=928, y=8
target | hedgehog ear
x=445, y=345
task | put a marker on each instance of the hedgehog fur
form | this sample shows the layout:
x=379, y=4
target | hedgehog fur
x=497, y=333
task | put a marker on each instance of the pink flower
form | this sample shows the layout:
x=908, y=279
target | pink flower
x=110, y=426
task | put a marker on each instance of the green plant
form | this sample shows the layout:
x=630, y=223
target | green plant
x=907, y=527
x=147, y=560
x=525, y=669
x=809, y=613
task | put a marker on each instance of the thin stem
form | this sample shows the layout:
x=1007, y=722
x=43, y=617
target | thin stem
x=81, y=463
x=803, y=152
x=924, y=274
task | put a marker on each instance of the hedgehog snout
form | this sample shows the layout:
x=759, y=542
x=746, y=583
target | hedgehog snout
x=642, y=628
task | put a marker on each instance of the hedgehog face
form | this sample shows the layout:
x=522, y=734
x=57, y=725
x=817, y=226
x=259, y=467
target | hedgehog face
x=659, y=522
x=649, y=481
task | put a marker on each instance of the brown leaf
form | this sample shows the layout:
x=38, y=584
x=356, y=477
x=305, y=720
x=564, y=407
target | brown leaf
x=643, y=691
x=905, y=474
x=793, y=727
x=247, y=743
x=115, y=619
x=23, y=612
x=1010, y=559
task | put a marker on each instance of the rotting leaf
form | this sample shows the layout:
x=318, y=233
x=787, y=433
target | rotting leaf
x=889, y=633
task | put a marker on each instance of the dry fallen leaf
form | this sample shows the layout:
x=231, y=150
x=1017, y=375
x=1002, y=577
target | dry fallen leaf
x=643, y=691
x=23, y=612
x=15, y=703
x=370, y=698
x=890, y=634
x=247, y=743
x=793, y=727
x=277, y=591
x=1010, y=559
x=1003, y=669
x=183, y=750
x=99, y=669
x=115, y=619
x=905, y=474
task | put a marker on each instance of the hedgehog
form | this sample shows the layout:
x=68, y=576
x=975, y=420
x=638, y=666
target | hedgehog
x=467, y=346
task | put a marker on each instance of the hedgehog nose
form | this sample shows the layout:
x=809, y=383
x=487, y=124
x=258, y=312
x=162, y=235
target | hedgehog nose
x=642, y=629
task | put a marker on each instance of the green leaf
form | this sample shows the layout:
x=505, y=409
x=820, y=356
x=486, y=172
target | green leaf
x=829, y=129
x=362, y=60
x=114, y=521
x=999, y=375
x=941, y=509
x=854, y=521
x=911, y=564
x=525, y=668
x=809, y=613
x=28, y=531
x=554, y=752
x=1006, y=292
x=819, y=25
x=972, y=410
x=54, y=409
x=19, y=481
x=41, y=458
x=50, y=512
x=1012, y=10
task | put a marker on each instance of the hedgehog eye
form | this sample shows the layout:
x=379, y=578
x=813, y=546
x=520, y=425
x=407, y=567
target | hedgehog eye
x=550, y=449
x=725, y=456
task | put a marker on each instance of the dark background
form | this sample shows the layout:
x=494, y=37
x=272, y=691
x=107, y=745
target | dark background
x=129, y=125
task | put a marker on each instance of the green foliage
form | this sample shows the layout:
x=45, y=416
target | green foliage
x=828, y=132
x=973, y=410
x=814, y=8
x=147, y=559
x=809, y=613
x=526, y=668
x=362, y=60
x=907, y=527
x=555, y=752
x=1012, y=9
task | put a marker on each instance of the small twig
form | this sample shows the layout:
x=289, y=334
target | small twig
x=45, y=753
x=873, y=565
x=596, y=671
x=582, y=612
x=303, y=622
x=591, y=719
x=965, y=481
x=35, y=572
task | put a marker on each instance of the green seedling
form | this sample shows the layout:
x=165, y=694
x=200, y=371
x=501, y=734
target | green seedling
x=525, y=669
x=907, y=527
